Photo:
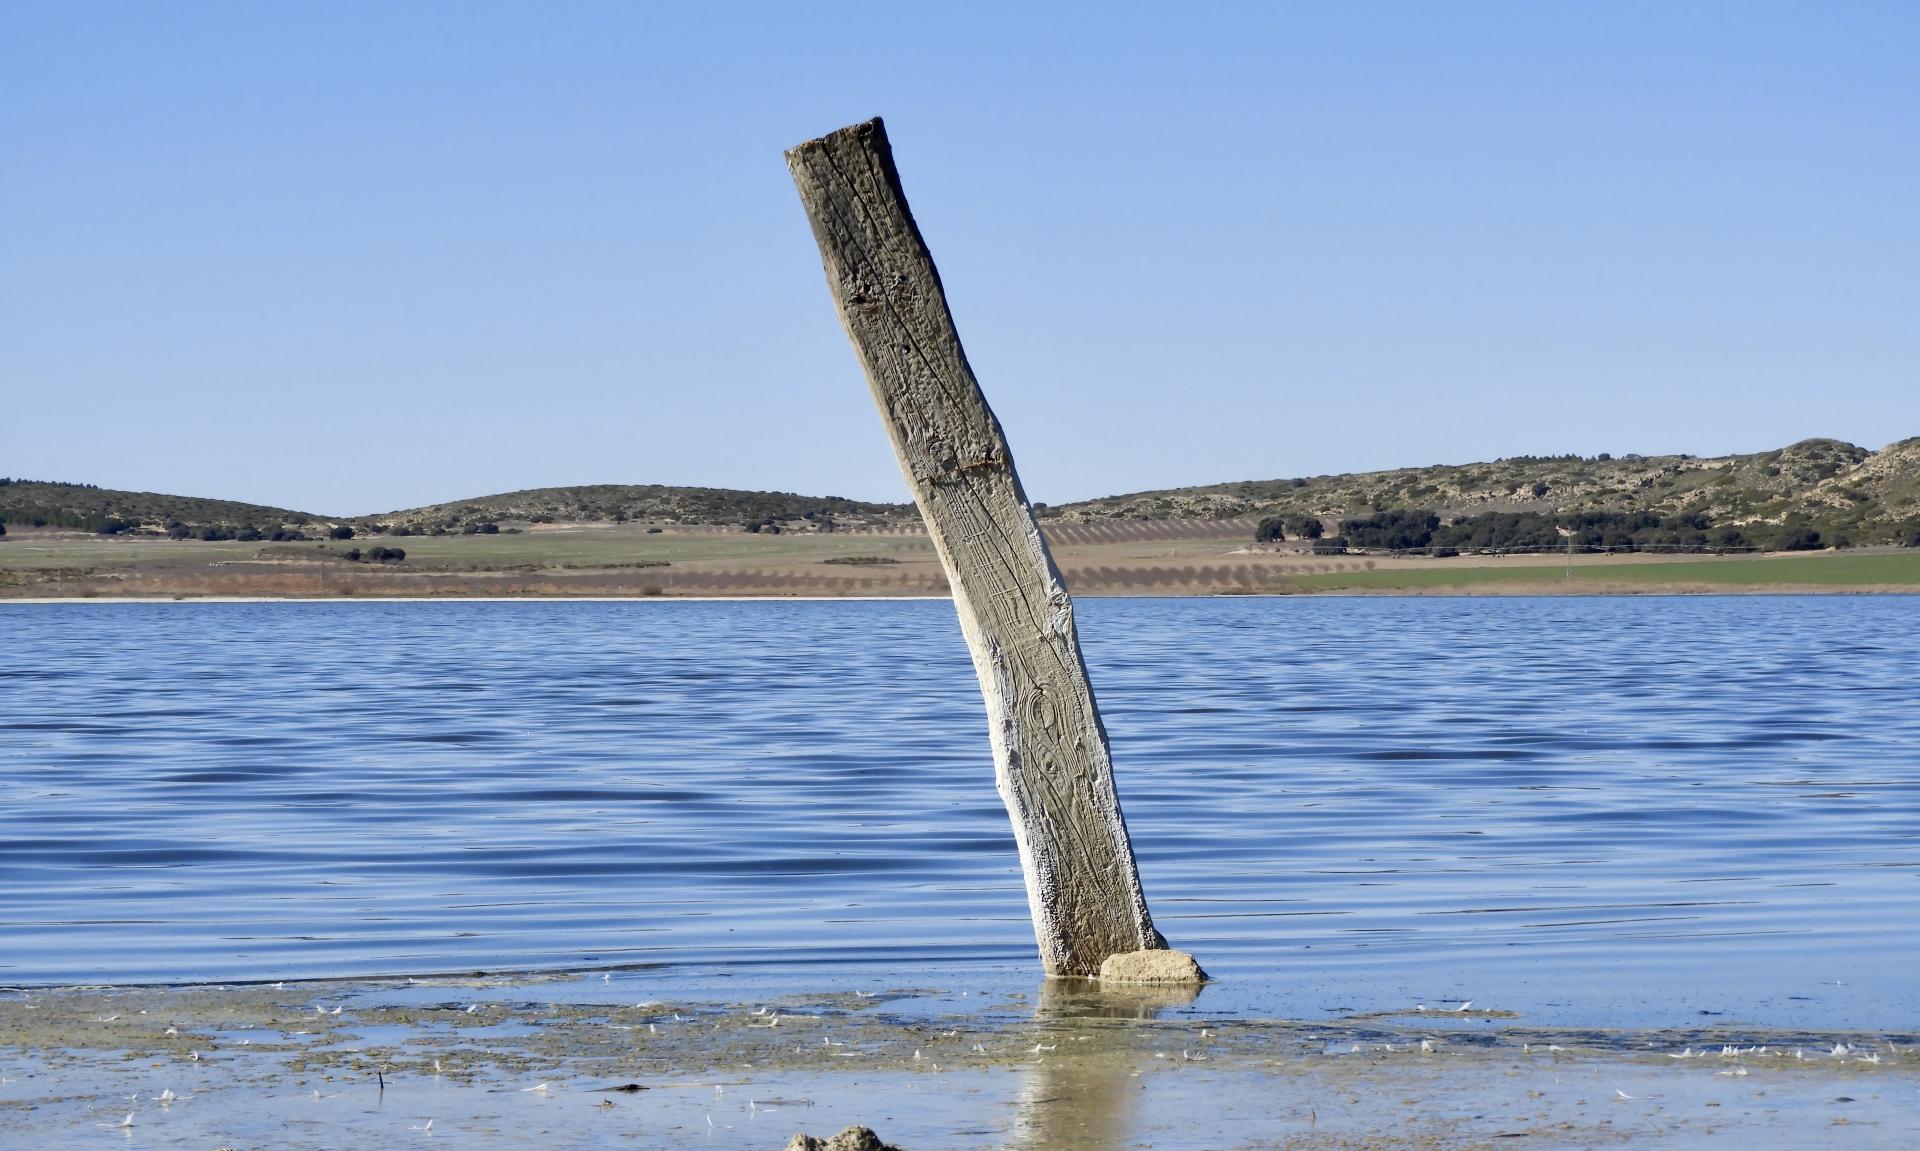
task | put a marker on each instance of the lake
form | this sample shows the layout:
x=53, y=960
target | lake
x=1621, y=811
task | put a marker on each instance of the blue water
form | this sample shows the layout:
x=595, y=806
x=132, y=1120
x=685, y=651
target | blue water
x=1609, y=811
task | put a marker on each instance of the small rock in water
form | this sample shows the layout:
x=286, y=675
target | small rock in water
x=1152, y=967
x=852, y=1139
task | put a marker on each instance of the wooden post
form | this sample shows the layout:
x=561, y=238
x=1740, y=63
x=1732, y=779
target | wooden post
x=1049, y=749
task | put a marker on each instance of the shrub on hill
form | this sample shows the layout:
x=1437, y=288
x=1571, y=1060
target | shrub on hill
x=1273, y=529
x=1505, y=530
x=1392, y=530
x=43, y=517
x=1419, y=530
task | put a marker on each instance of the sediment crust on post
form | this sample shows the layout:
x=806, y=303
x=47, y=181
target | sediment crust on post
x=1051, y=761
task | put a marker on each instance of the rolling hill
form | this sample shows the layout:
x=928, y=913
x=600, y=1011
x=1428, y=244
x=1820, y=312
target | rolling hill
x=1817, y=489
x=1837, y=489
x=88, y=508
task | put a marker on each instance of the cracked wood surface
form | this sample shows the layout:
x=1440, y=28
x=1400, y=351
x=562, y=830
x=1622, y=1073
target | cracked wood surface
x=1051, y=762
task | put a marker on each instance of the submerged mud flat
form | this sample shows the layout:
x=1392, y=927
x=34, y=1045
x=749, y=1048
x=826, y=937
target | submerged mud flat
x=501, y=1061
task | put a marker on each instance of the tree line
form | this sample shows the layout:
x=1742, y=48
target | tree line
x=41, y=517
x=1415, y=530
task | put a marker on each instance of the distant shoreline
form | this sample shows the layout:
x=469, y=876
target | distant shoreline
x=617, y=563
x=1524, y=591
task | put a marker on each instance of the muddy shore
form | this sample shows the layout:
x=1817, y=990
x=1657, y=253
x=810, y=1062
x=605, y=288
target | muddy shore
x=501, y=1061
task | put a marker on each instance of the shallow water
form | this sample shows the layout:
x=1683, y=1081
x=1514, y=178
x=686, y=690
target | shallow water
x=511, y=1064
x=1610, y=812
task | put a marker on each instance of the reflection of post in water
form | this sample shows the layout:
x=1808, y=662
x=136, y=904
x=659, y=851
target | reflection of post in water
x=1081, y=1093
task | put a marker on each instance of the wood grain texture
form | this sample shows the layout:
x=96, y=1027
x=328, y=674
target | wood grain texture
x=1050, y=752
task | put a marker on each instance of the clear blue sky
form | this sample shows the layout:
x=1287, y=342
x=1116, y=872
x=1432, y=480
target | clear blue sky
x=352, y=257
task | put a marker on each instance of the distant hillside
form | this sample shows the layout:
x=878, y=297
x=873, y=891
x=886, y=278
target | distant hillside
x=654, y=504
x=1814, y=493
x=1836, y=489
x=88, y=508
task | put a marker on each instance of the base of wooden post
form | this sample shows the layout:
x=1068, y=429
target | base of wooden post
x=1151, y=967
x=852, y=1139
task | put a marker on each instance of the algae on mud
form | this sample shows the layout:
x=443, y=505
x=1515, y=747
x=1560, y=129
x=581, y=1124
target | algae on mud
x=497, y=1060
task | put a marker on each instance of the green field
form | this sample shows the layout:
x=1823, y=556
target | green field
x=1877, y=569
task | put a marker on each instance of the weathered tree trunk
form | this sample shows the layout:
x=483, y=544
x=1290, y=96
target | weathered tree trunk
x=1049, y=748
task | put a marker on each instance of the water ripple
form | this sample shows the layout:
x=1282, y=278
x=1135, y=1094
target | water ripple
x=1632, y=803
